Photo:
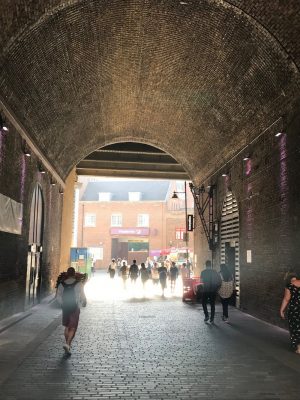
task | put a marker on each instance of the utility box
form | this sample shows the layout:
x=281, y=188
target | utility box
x=81, y=260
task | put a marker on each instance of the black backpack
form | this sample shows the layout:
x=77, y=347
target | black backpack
x=69, y=303
x=134, y=269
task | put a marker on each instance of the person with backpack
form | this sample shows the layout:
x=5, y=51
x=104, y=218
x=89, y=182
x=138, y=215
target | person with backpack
x=70, y=295
x=211, y=282
x=163, y=272
x=133, y=272
x=226, y=289
x=173, y=275
x=112, y=268
x=144, y=274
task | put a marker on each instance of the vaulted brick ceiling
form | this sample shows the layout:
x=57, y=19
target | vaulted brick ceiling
x=197, y=79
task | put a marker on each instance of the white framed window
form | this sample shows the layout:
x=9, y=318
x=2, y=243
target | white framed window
x=116, y=220
x=143, y=220
x=90, y=219
x=134, y=196
x=104, y=196
x=179, y=233
x=96, y=253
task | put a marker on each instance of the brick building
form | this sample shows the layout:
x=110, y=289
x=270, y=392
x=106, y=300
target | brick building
x=133, y=219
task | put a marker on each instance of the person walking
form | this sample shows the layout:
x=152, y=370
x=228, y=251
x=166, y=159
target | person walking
x=291, y=304
x=133, y=272
x=70, y=295
x=149, y=265
x=163, y=273
x=226, y=289
x=144, y=274
x=119, y=265
x=112, y=268
x=185, y=272
x=211, y=282
x=155, y=274
x=189, y=266
x=123, y=272
x=173, y=275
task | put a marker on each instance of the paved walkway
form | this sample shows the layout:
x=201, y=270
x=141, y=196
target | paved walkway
x=131, y=347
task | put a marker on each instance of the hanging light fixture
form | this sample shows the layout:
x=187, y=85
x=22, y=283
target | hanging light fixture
x=3, y=125
x=41, y=169
x=26, y=150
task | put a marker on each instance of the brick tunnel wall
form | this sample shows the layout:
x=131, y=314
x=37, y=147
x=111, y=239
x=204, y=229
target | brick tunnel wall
x=267, y=191
x=18, y=177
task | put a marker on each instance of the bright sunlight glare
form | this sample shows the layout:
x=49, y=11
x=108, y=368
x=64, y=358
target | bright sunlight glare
x=101, y=287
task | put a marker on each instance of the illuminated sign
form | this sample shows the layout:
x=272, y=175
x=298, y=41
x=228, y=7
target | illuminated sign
x=190, y=222
x=130, y=231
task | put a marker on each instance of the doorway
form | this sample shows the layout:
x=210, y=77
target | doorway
x=35, y=248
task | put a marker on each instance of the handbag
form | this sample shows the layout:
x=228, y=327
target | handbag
x=226, y=289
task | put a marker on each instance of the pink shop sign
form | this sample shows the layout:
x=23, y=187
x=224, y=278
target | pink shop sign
x=130, y=231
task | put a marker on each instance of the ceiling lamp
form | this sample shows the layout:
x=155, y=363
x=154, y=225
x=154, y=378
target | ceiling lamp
x=41, y=169
x=3, y=126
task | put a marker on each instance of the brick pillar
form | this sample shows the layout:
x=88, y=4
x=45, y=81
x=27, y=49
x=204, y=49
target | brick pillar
x=67, y=221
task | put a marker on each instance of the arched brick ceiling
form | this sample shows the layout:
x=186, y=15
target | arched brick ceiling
x=198, y=80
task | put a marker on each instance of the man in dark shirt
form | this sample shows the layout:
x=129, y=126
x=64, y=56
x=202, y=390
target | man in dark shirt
x=173, y=275
x=133, y=271
x=163, y=273
x=211, y=282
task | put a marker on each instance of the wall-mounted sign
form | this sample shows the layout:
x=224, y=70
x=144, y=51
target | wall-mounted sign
x=11, y=215
x=190, y=222
x=130, y=231
x=249, y=256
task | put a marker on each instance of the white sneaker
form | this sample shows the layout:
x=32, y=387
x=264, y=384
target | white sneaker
x=66, y=347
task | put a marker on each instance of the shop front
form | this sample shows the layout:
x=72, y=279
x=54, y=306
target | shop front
x=130, y=244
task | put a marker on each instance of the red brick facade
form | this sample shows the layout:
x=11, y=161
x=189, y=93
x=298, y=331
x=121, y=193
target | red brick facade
x=164, y=221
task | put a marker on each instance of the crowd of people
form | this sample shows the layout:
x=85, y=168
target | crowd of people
x=157, y=272
x=70, y=293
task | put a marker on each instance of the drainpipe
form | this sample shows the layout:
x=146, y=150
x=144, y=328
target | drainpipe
x=82, y=222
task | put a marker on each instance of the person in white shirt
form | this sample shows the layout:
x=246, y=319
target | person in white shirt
x=70, y=295
x=112, y=268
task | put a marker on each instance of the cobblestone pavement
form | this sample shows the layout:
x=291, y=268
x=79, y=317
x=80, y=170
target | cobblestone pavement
x=154, y=348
